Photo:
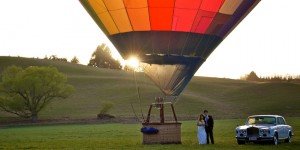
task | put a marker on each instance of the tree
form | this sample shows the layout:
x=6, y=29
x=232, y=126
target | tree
x=46, y=57
x=54, y=57
x=25, y=92
x=102, y=58
x=252, y=77
x=75, y=60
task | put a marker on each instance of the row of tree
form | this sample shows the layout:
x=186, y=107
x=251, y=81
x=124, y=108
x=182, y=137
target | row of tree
x=74, y=60
x=101, y=58
x=252, y=76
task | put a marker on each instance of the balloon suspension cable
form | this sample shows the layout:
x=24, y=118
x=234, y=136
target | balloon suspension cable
x=137, y=118
x=175, y=101
x=139, y=95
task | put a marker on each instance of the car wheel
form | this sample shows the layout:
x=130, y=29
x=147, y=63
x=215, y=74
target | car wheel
x=275, y=139
x=240, y=142
x=289, y=139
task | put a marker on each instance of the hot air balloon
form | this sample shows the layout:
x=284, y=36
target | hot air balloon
x=172, y=38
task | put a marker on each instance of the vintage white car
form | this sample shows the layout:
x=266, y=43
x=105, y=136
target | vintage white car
x=259, y=128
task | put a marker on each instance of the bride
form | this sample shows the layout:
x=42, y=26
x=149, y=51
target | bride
x=201, y=130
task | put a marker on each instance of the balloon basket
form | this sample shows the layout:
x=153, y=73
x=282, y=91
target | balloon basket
x=168, y=133
x=161, y=132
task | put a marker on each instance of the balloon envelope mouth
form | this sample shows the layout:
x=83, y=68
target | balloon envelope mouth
x=170, y=59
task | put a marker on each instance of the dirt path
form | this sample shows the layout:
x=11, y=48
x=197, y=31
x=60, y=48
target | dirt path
x=20, y=122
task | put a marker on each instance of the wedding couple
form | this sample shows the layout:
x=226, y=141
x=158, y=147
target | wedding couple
x=205, y=128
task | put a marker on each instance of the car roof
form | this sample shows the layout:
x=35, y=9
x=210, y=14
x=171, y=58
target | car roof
x=265, y=116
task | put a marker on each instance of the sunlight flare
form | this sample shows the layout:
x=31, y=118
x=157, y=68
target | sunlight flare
x=132, y=62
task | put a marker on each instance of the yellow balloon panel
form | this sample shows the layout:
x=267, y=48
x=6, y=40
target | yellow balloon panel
x=136, y=3
x=121, y=19
x=104, y=16
x=119, y=14
x=98, y=6
x=114, y=4
x=108, y=23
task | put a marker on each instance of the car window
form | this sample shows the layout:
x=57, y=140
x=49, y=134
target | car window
x=261, y=120
x=281, y=120
x=278, y=121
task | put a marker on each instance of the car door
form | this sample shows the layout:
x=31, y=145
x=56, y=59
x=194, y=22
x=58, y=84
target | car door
x=285, y=128
x=282, y=128
x=279, y=128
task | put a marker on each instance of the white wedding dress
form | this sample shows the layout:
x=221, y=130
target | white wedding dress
x=201, y=134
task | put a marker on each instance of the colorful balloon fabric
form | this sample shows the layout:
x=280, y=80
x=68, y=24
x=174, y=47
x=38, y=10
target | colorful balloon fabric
x=172, y=38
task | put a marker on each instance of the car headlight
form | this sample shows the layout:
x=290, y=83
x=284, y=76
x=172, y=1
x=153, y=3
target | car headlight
x=265, y=131
x=242, y=131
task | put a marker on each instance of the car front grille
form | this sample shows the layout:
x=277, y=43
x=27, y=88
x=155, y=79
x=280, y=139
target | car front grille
x=252, y=131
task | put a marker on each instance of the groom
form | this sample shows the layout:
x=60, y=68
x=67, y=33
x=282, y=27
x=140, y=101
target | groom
x=209, y=125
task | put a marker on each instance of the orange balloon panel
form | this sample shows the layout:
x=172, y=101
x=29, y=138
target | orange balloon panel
x=138, y=14
x=161, y=18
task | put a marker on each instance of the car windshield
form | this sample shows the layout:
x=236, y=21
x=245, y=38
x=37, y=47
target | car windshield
x=261, y=120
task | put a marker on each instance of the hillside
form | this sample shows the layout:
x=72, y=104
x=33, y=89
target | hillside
x=224, y=98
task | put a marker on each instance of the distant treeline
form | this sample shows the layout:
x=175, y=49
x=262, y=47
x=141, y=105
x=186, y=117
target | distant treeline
x=100, y=58
x=252, y=76
x=74, y=60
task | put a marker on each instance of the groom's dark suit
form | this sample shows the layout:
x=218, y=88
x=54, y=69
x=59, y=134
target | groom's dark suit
x=209, y=125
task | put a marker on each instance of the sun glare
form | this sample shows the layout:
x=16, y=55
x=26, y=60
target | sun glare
x=132, y=62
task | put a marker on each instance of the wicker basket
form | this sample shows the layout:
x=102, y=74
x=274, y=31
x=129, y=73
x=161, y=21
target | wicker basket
x=169, y=133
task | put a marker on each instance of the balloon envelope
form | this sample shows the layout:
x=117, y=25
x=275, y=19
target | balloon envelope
x=172, y=38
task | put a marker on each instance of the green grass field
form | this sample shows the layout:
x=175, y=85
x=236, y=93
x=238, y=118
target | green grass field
x=125, y=136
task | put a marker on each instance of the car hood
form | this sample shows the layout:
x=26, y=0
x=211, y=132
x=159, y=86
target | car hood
x=261, y=126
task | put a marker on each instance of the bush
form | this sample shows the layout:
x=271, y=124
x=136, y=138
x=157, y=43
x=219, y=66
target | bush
x=105, y=108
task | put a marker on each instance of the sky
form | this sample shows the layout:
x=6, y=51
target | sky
x=266, y=41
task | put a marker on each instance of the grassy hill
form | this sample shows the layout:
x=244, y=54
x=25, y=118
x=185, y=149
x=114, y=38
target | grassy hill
x=224, y=98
